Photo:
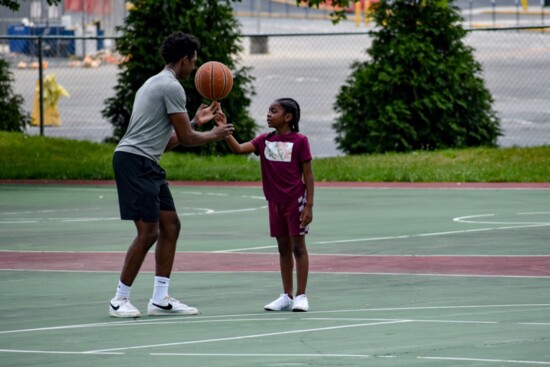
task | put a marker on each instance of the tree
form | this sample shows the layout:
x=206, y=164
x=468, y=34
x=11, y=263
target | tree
x=14, y=4
x=338, y=13
x=12, y=115
x=421, y=87
x=146, y=26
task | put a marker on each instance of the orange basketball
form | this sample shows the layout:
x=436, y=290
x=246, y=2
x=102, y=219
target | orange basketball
x=213, y=80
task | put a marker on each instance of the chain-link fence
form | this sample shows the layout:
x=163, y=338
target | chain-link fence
x=308, y=67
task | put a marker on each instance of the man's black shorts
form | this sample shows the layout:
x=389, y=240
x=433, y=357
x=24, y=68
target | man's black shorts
x=142, y=188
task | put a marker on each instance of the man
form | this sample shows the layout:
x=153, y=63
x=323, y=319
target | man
x=159, y=122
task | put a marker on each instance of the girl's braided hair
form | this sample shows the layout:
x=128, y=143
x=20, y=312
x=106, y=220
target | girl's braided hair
x=290, y=106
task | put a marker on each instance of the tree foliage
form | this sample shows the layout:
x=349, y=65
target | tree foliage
x=12, y=115
x=338, y=13
x=146, y=26
x=15, y=4
x=420, y=88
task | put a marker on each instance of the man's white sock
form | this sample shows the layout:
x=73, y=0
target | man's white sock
x=122, y=291
x=160, y=289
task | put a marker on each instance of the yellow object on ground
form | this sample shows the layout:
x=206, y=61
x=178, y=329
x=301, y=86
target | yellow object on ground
x=52, y=92
x=525, y=4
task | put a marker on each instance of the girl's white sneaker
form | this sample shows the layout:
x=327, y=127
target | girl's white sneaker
x=300, y=304
x=283, y=303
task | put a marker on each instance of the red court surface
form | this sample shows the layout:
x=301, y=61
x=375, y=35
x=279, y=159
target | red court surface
x=524, y=266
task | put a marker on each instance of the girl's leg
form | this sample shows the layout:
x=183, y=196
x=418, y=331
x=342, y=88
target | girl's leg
x=302, y=263
x=286, y=263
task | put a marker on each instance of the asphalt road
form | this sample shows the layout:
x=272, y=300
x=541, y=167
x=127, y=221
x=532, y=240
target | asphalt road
x=312, y=69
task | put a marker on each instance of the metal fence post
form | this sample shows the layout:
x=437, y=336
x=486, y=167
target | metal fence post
x=41, y=85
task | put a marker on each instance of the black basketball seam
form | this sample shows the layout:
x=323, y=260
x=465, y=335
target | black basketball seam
x=198, y=81
x=224, y=81
x=212, y=81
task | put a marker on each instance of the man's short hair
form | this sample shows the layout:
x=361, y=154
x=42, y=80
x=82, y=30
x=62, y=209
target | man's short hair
x=177, y=45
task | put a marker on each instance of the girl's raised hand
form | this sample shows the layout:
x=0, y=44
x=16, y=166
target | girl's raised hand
x=219, y=117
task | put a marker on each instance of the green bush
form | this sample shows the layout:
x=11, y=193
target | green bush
x=12, y=115
x=420, y=89
x=14, y=5
x=145, y=28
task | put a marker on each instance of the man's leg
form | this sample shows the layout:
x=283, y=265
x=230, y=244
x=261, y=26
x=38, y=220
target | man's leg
x=147, y=235
x=161, y=304
x=166, y=245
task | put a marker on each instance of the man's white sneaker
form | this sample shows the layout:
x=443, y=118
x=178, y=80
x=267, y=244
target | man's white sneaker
x=121, y=307
x=283, y=303
x=300, y=304
x=169, y=306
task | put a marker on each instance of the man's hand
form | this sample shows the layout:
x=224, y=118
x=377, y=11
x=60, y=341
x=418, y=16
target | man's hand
x=222, y=131
x=206, y=113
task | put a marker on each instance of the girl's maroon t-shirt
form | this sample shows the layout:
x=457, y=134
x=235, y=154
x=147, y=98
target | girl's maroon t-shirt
x=281, y=158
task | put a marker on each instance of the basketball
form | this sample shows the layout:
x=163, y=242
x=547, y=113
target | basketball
x=213, y=80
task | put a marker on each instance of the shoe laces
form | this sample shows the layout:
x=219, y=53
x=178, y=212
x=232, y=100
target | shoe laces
x=126, y=303
x=170, y=299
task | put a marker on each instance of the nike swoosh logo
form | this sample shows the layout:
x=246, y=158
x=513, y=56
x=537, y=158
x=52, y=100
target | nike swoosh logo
x=115, y=308
x=166, y=308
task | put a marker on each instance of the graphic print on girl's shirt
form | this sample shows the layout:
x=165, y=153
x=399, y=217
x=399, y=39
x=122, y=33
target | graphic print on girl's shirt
x=278, y=151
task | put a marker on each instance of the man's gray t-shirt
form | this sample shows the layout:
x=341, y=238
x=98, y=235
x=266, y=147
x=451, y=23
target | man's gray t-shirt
x=150, y=128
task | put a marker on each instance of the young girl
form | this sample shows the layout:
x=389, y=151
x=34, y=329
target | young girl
x=287, y=180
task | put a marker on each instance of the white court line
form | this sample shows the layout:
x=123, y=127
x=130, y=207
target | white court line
x=252, y=336
x=484, y=360
x=19, y=222
x=134, y=323
x=441, y=307
x=431, y=234
x=320, y=355
x=438, y=275
x=315, y=272
x=467, y=219
x=412, y=320
x=51, y=352
x=268, y=317
x=463, y=219
x=231, y=318
x=245, y=249
x=394, y=274
x=58, y=188
x=47, y=211
x=212, y=211
x=200, y=211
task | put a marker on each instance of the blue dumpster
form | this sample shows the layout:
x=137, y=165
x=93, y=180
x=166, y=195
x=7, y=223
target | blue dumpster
x=59, y=47
x=16, y=45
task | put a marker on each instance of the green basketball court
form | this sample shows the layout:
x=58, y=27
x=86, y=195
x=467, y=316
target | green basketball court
x=398, y=277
